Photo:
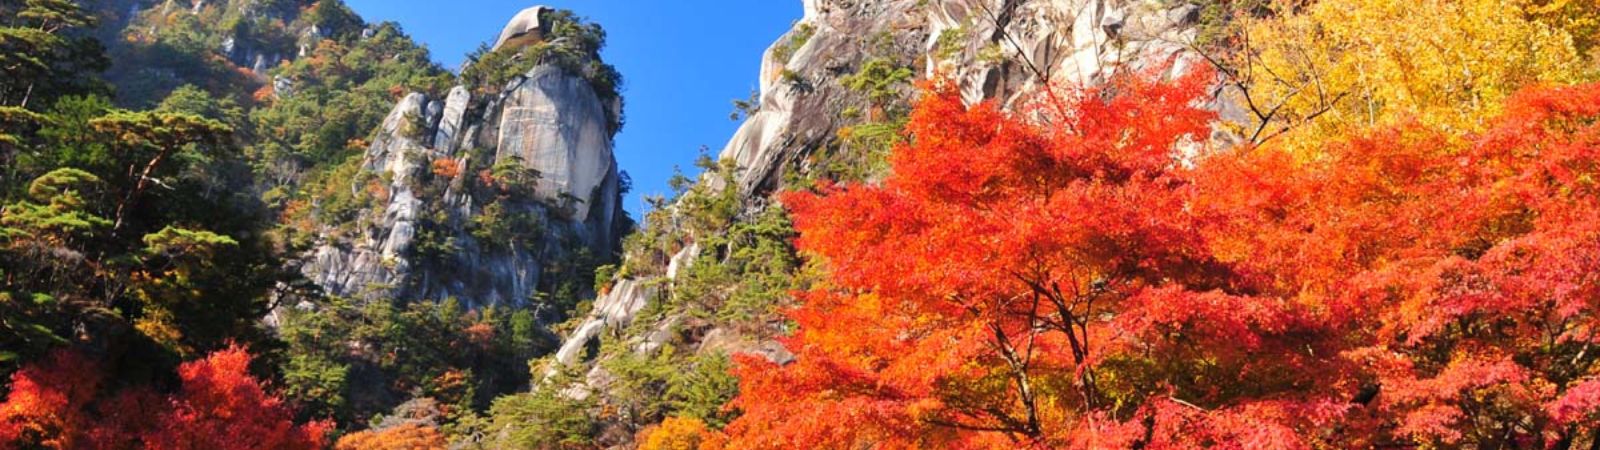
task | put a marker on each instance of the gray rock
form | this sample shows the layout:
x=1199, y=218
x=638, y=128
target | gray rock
x=1184, y=15
x=554, y=123
x=550, y=121
x=526, y=27
x=282, y=86
x=446, y=140
x=614, y=310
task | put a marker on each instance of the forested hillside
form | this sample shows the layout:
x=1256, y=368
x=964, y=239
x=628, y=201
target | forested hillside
x=171, y=168
x=1142, y=224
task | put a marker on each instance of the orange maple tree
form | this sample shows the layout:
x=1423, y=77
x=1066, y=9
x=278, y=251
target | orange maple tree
x=60, y=404
x=1060, y=277
x=403, y=437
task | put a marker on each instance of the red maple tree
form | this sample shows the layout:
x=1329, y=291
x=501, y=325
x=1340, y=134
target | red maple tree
x=1057, y=277
x=59, y=404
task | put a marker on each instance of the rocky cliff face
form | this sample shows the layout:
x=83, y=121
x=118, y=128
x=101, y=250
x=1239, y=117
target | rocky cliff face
x=492, y=201
x=997, y=50
x=848, y=66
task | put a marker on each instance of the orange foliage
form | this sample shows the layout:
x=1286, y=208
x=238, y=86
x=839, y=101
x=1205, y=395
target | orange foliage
x=264, y=94
x=678, y=433
x=446, y=167
x=1055, y=278
x=404, y=437
x=377, y=190
x=58, y=404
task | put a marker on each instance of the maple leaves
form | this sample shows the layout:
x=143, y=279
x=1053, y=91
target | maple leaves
x=59, y=404
x=1055, y=277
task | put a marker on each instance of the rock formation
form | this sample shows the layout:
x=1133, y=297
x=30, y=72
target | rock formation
x=526, y=27
x=425, y=236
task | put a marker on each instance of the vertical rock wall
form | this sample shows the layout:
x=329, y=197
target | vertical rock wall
x=547, y=121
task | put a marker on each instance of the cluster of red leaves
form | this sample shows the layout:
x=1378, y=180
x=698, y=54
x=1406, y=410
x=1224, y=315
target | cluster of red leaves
x=1057, y=277
x=60, y=404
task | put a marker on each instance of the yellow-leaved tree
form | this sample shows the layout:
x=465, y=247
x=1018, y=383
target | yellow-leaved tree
x=1327, y=67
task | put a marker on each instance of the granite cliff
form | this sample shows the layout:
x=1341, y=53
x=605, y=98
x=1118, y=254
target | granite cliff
x=497, y=195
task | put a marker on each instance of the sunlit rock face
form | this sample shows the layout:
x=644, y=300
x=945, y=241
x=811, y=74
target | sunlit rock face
x=525, y=28
x=417, y=240
x=554, y=124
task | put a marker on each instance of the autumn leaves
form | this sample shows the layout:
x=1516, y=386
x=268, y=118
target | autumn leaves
x=1065, y=283
x=1056, y=278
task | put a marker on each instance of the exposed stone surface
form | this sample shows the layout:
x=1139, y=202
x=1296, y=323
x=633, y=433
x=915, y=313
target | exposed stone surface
x=553, y=122
x=549, y=121
x=455, y=111
x=526, y=27
x=615, y=309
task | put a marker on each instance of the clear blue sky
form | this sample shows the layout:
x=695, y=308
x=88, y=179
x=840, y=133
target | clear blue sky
x=682, y=62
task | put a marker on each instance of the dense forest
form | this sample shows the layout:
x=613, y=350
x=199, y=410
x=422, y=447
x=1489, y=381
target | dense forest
x=1248, y=224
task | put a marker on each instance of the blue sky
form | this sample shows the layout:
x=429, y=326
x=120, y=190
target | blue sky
x=682, y=62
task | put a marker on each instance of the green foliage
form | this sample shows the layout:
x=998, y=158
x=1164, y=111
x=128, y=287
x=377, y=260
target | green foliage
x=338, y=94
x=796, y=82
x=514, y=178
x=44, y=53
x=173, y=241
x=345, y=191
x=796, y=39
x=75, y=141
x=741, y=275
x=15, y=122
x=352, y=361
x=992, y=53
x=191, y=100
x=746, y=107
x=707, y=209
x=496, y=228
x=698, y=209
x=651, y=388
x=334, y=19
x=58, y=212
x=950, y=42
x=103, y=239
x=879, y=79
x=545, y=418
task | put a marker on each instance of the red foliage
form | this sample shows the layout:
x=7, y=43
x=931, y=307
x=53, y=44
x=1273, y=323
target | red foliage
x=58, y=404
x=1056, y=278
x=45, y=405
x=220, y=402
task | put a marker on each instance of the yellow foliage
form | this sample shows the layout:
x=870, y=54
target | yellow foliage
x=1335, y=65
x=678, y=433
x=1581, y=19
